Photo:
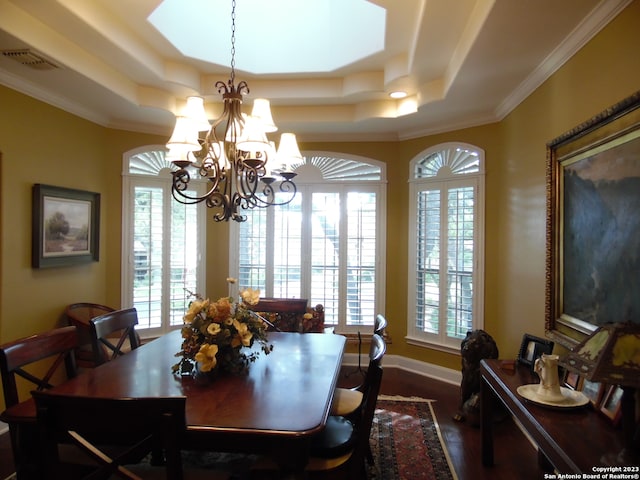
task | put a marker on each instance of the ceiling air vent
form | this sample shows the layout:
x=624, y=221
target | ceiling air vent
x=30, y=59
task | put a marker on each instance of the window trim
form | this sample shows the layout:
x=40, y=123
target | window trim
x=162, y=178
x=312, y=181
x=446, y=180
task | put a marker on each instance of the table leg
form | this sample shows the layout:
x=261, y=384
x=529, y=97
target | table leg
x=24, y=445
x=292, y=459
x=291, y=471
x=486, y=422
x=543, y=462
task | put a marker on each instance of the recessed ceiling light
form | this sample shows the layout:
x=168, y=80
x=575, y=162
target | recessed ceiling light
x=398, y=94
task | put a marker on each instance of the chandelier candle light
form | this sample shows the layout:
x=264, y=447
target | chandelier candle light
x=242, y=166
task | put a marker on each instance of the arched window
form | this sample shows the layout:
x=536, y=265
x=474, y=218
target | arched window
x=446, y=244
x=327, y=245
x=162, y=243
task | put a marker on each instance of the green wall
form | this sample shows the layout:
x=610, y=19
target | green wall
x=41, y=144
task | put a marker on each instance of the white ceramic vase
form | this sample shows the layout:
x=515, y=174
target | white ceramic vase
x=547, y=369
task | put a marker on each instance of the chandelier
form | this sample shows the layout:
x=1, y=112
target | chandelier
x=242, y=167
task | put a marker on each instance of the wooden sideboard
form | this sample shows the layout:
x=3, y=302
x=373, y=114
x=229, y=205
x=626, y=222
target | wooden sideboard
x=571, y=440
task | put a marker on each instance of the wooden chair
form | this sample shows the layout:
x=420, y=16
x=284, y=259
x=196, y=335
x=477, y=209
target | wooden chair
x=340, y=449
x=291, y=315
x=328, y=461
x=79, y=314
x=106, y=345
x=23, y=358
x=131, y=427
x=347, y=400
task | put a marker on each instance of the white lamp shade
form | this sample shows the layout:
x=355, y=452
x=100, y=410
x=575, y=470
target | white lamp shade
x=253, y=137
x=262, y=111
x=174, y=155
x=184, y=137
x=288, y=151
x=195, y=111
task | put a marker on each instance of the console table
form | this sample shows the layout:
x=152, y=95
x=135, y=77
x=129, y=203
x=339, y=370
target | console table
x=569, y=440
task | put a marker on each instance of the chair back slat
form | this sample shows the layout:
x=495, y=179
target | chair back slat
x=377, y=349
x=111, y=330
x=380, y=324
x=79, y=314
x=130, y=427
x=59, y=344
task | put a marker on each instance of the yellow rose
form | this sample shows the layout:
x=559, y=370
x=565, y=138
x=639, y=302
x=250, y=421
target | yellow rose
x=224, y=308
x=207, y=357
x=212, y=311
x=244, y=335
x=250, y=296
x=213, y=328
x=194, y=309
x=307, y=316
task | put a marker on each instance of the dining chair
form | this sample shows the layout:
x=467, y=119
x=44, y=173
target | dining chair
x=79, y=314
x=340, y=449
x=290, y=314
x=347, y=400
x=110, y=437
x=24, y=358
x=281, y=313
x=113, y=334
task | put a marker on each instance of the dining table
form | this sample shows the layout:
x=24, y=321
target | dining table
x=274, y=409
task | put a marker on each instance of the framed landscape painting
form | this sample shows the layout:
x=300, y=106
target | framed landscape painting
x=593, y=224
x=65, y=226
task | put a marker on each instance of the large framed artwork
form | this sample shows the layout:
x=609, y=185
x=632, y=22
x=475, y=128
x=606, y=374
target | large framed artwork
x=65, y=226
x=593, y=224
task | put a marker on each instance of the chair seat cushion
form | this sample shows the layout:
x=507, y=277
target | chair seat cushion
x=345, y=401
x=337, y=439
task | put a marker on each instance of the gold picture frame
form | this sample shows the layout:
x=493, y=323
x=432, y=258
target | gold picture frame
x=593, y=225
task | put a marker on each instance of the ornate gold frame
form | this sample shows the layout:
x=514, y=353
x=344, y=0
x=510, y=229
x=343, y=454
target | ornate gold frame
x=594, y=141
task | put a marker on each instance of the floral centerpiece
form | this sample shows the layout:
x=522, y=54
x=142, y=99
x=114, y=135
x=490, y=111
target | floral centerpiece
x=215, y=333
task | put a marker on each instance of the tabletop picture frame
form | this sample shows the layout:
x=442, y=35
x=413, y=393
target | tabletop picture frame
x=594, y=392
x=572, y=380
x=611, y=405
x=65, y=226
x=593, y=195
x=531, y=348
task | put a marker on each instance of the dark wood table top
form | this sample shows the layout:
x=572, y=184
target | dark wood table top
x=573, y=440
x=274, y=409
x=288, y=392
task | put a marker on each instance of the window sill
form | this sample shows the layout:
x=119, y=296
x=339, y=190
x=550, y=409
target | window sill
x=353, y=339
x=421, y=342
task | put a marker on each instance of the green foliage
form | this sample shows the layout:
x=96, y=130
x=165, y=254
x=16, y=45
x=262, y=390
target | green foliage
x=56, y=227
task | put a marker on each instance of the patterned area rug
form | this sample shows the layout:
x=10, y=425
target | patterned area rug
x=406, y=441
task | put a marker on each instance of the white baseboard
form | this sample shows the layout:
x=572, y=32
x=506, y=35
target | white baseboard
x=425, y=369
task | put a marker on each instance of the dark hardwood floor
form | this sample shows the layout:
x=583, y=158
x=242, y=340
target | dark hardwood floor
x=515, y=457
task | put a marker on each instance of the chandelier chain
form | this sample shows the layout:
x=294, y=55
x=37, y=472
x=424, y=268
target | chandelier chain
x=233, y=42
